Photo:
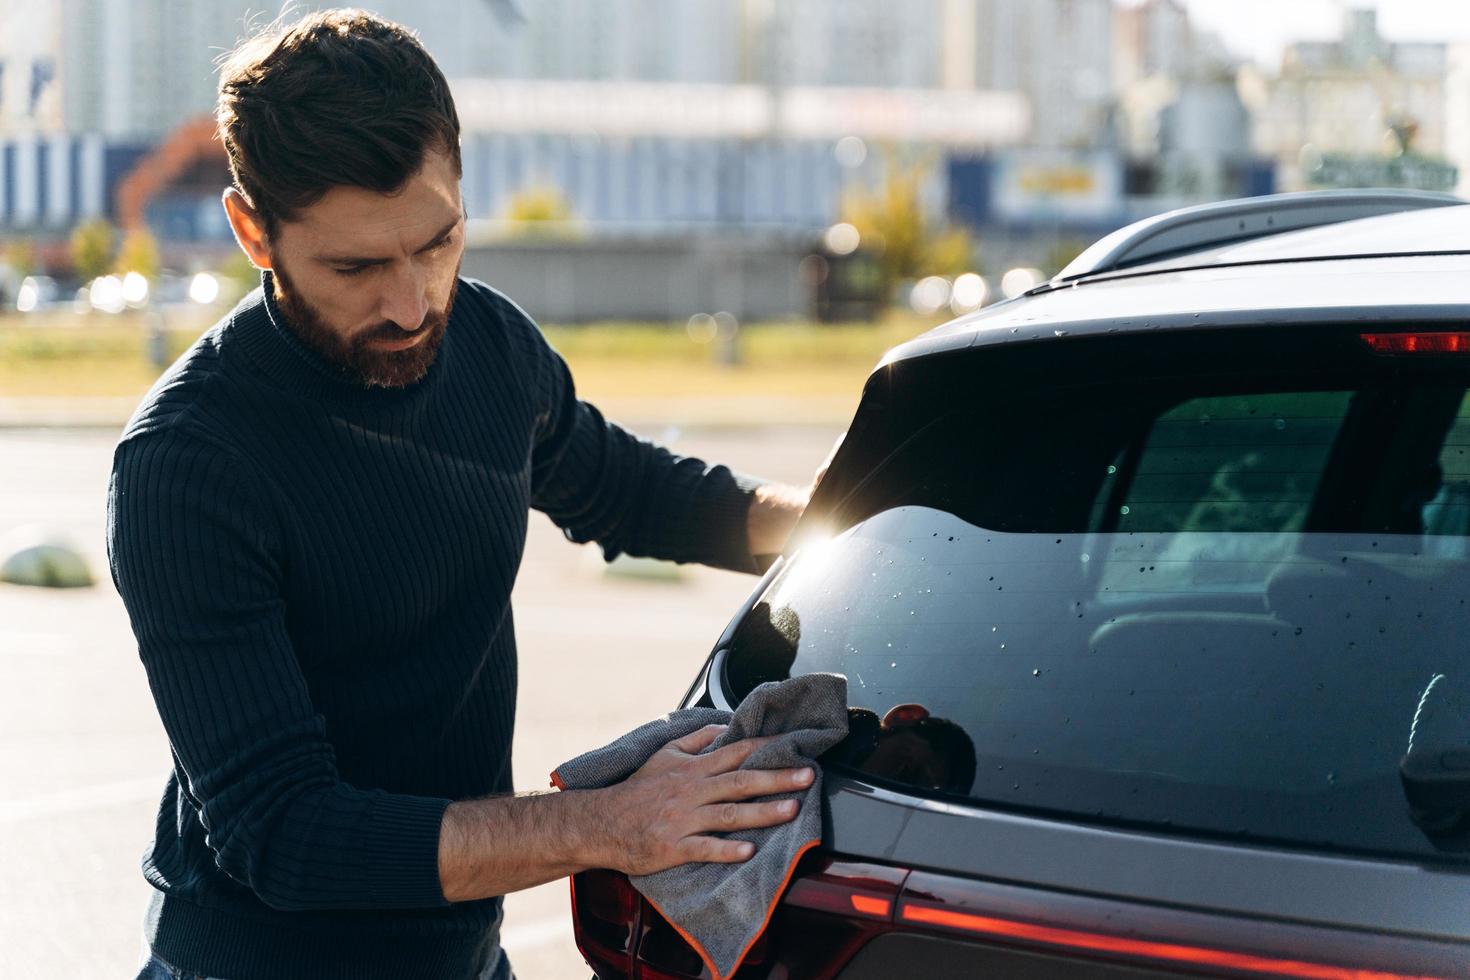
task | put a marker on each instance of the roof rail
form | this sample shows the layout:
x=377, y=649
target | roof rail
x=1208, y=225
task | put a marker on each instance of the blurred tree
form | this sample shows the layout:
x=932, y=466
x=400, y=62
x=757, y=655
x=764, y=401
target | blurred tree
x=893, y=227
x=139, y=254
x=91, y=249
x=540, y=210
x=20, y=256
x=1060, y=254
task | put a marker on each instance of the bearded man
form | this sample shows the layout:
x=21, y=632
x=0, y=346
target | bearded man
x=315, y=521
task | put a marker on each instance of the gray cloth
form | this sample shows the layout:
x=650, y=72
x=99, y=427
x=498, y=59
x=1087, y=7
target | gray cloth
x=723, y=908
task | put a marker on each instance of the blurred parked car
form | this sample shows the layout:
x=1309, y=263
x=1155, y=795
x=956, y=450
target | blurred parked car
x=36, y=293
x=1150, y=587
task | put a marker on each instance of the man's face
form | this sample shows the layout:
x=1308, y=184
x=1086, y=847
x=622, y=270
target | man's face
x=367, y=280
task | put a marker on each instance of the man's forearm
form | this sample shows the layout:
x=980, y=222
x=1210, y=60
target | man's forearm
x=505, y=843
x=663, y=815
x=773, y=514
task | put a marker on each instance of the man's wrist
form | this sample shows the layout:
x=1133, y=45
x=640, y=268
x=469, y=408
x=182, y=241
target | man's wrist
x=584, y=814
x=501, y=844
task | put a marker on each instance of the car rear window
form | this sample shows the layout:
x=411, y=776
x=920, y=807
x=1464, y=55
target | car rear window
x=1208, y=604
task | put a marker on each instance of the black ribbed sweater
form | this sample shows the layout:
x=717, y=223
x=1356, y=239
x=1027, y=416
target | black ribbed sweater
x=319, y=575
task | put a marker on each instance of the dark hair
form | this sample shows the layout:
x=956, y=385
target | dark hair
x=338, y=98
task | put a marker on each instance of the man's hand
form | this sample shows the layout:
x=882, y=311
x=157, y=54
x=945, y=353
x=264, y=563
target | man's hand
x=661, y=816
x=776, y=509
x=772, y=517
x=664, y=813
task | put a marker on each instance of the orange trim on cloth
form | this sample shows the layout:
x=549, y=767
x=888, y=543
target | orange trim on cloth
x=556, y=781
x=766, y=921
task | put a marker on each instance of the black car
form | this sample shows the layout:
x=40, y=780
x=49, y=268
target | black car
x=1152, y=589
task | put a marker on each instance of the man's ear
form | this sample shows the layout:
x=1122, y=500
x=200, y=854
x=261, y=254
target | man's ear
x=248, y=228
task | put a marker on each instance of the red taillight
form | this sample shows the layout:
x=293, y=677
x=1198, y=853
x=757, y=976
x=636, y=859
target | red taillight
x=834, y=908
x=952, y=906
x=830, y=911
x=867, y=891
x=605, y=921
x=1419, y=342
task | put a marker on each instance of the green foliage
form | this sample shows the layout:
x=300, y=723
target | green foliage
x=20, y=256
x=894, y=228
x=91, y=249
x=1060, y=254
x=539, y=210
x=239, y=267
x=139, y=254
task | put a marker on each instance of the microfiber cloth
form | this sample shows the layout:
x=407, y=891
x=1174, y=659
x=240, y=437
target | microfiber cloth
x=721, y=909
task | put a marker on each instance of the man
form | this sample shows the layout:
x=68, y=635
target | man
x=315, y=519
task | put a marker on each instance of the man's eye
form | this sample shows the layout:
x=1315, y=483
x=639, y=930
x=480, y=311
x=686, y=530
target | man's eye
x=352, y=270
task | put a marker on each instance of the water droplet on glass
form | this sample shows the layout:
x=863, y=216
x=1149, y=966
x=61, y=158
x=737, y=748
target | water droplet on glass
x=1123, y=509
x=1280, y=424
x=1059, y=333
x=1036, y=672
x=1112, y=469
x=1332, y=778
x=1086, y=556
x=894, y=663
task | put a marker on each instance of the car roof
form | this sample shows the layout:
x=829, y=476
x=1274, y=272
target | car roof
x=1391, y=268
x=1432, y=231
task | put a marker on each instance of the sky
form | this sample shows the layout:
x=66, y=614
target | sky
x=1259, y=29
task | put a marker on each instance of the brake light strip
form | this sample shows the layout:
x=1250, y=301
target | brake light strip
x=1419, y=342
x=1066, y=938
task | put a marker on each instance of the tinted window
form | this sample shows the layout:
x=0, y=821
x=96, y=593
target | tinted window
x=1205, y=609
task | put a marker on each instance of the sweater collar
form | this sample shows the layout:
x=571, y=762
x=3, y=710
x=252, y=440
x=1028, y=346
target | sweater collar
x=272, y=343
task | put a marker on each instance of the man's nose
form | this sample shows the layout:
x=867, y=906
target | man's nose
x=406, y=303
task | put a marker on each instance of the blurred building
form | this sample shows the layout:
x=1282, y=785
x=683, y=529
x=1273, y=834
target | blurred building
x=1338, y=109
x=30, y=57
x=1151, y=40
x=1457, y=114
x=647, y=115
x=1058, y=53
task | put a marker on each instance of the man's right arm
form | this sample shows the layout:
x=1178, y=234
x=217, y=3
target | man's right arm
x=195, y=555
x=661, y=816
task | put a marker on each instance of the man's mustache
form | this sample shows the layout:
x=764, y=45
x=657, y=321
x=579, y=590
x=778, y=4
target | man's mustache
x=388, y=330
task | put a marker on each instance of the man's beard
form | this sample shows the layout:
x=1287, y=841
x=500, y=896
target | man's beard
x=356, y=355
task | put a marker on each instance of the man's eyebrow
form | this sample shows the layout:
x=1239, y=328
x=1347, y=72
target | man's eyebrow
x=366, y=260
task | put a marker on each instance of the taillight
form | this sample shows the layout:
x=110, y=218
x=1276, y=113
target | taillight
x=834, y=908
x=830, y=911
x=1419, y=342
x=864, y=891
x=605, y=921
x=946, y=905
x=622, y=937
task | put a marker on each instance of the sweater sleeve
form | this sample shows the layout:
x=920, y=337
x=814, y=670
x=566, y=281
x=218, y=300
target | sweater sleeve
x=194, y=553
x=599, y=482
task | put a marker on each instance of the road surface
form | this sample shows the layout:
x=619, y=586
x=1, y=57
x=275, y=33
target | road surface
x=83, y=757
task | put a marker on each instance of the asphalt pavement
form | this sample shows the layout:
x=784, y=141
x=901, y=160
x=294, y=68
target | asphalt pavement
x=83, y=757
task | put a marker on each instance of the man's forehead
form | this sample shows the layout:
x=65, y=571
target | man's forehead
x=356, y=221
